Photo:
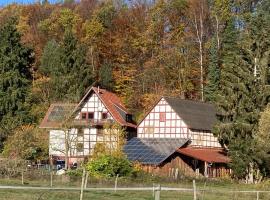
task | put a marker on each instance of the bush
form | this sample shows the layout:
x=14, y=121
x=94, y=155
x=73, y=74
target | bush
x=109, y=166
x=75, y=172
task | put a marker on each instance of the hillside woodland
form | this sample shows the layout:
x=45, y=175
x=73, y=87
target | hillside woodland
x=209, y=50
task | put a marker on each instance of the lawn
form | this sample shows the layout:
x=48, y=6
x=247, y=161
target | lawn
x=215, y=190
x=120, y=195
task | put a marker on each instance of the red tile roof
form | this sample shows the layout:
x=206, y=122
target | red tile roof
x=210, y=155
x=110, y=100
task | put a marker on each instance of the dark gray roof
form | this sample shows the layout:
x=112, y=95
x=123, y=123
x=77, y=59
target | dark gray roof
x=152, y=151
x=197, y=115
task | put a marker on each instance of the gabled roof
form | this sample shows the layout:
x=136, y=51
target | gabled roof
x=210, y=155
x=112, y=102
x=152, y=151
x=109, y=99
x=196, y=114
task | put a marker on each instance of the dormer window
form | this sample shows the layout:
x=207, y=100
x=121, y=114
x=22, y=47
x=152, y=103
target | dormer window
x=104, y=115
x=128, y=118
x=90, y=115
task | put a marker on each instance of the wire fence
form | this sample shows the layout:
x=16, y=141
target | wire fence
x=38, y=182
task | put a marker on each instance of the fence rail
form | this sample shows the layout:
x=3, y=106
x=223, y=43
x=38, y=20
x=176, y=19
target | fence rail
x=45, y=180
x=155, y=189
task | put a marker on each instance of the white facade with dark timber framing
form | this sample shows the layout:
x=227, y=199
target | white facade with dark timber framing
x=176, y=135
x=85, y=127
x=164, y=122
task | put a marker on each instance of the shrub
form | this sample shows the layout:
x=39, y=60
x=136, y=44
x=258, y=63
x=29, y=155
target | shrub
x=109, y=166
x=75, y=172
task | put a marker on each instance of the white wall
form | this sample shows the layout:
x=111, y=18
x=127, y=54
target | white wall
x=57, y=143
x=173, y=127
x=89, y=140
x=94, y=104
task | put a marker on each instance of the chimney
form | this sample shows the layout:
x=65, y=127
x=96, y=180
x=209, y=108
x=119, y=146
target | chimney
x=98, y=90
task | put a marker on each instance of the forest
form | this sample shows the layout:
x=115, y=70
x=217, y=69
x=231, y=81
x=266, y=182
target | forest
x=215, y=51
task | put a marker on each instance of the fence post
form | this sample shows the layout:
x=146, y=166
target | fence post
x=51, y=178
x=176, y=173
x=258, y=195
x=115, y=183
x=22, y=178
x=82, y=185
x=194, y=190
x=86, y=180
x=157, y=193
x=153, y=192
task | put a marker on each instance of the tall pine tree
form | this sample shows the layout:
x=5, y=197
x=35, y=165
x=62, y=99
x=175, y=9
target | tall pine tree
x=213, y=76
x=106, y=76
x=69, y=73
x=15, y=78
x=239, y=102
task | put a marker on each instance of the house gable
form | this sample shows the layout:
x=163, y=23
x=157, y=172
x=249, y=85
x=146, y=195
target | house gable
x=164, y=122
x=104, y=101
x=93, y=104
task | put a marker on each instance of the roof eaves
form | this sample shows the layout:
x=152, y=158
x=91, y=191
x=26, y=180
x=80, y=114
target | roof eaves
x=48, y=125
x=187, y=140
x=79, y=104
x=108, y=107
x=154, y=105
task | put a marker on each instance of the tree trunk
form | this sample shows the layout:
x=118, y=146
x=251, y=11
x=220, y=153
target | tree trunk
x=201, y=69
x=217, y=32
x=66, y=149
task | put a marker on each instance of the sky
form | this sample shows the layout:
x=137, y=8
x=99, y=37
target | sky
x=6, y=2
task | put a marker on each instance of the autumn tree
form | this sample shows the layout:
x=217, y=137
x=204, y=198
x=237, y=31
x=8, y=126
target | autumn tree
x=199, y=17
x=27, y=142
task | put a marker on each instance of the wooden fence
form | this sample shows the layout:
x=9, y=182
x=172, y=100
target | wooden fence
x=156, y=190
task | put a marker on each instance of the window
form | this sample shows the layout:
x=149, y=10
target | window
x=83, y=115
x=162, y=117
x=90, y=115
x=100, y=131
x=80, y=147
x=104, y=115
x=80, y=132
x=100, y=135
x=149, y=130
x=128, y=117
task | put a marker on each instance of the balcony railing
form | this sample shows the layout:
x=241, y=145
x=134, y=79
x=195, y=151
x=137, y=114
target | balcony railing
x=92, y=122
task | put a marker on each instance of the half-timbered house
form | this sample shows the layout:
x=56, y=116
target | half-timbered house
x=75, y=129
x=176, y=136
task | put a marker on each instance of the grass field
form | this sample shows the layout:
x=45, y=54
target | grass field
x=215, y=190
x=120, y=195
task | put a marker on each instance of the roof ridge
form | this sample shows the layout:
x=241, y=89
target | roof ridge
x=190, y=100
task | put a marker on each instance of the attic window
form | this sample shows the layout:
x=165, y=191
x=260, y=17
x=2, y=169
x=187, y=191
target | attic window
x=162, y=117
x=90, y=115
x=104, y=115
x=83, y=115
